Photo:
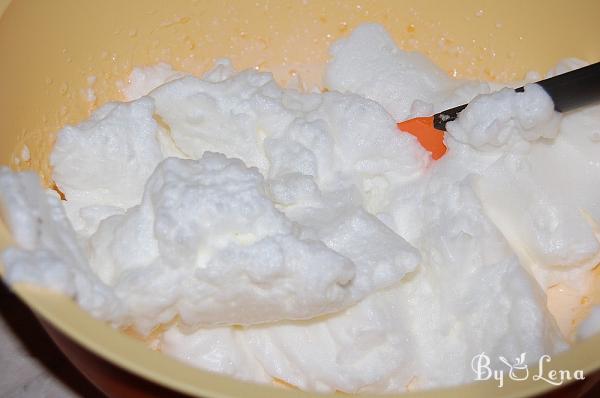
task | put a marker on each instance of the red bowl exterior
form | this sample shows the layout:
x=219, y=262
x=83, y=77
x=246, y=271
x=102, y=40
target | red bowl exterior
x=108, y=378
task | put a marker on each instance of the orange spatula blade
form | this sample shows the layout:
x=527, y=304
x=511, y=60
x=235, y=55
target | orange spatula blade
x=430, y=138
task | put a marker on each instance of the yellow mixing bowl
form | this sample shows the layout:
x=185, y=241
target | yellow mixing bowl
x=50, y=49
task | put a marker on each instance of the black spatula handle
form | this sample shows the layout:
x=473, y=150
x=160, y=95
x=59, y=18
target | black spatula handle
x=574, y=89
x=569, y=91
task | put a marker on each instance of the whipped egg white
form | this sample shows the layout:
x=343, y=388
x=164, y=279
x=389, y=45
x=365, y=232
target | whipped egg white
x=302, y=237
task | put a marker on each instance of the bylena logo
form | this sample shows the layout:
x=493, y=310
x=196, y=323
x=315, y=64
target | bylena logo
x=519, y=370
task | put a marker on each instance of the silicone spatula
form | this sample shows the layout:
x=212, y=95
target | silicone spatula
x=569, y=91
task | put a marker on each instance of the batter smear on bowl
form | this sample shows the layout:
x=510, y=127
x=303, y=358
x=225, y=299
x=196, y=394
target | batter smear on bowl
x=295, y=235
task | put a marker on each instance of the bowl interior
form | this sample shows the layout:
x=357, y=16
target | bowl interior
x=52, y=49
